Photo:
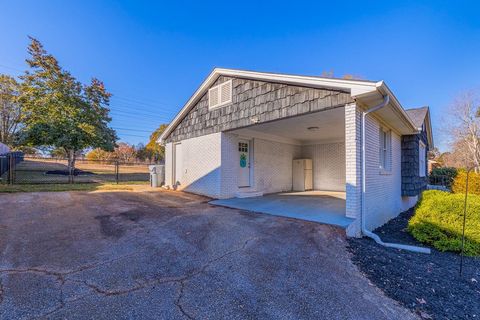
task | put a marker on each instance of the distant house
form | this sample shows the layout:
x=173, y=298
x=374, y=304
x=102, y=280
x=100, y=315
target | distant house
x=238, y=135
x=4, y=149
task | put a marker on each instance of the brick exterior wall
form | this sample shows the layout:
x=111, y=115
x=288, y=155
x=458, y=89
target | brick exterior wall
x=383, y=197
x=328, y=165
x=255, y=100
x=273, y=165
x=353, y=167
x=412, y=183
x=201, y=165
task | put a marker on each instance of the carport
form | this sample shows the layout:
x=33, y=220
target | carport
x=326, y=207
x=267, y=177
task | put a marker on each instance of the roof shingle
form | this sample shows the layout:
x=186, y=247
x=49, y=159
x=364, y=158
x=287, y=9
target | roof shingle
x=417, y=115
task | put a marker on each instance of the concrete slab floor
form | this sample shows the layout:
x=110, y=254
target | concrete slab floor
x=326, y=207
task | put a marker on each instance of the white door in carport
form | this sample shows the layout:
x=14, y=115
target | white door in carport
x=178, y=160
x=243, y=163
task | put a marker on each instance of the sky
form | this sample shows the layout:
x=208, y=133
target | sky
x=152, y=55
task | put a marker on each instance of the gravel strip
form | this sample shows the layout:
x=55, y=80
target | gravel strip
x=430, y=285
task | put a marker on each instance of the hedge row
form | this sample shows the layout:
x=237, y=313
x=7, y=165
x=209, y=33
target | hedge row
x=438, y=221
x=460, y=181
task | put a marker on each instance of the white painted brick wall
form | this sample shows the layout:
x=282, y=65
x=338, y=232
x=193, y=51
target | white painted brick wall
x=229, y=173
x=328, y=165
x=273, y=165
x=353, y=166
x=383, y=199
x=201, y=165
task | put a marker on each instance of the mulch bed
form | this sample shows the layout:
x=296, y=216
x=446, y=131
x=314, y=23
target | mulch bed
x=76, y=172
x=428, y=284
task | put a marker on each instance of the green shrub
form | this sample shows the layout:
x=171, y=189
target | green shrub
x=438, y=221
x=473, y=182
x=443, y=176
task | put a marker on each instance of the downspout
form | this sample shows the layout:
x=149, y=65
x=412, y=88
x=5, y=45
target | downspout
x=386, y=100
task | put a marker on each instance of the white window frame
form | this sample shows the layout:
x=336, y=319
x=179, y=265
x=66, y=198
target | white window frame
x=422, y=162
x=219, y=94
x=385, y=150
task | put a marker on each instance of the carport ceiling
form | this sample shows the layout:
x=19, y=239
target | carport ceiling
x=330, y=123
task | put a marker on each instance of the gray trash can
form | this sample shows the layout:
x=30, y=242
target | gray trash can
x=157, y=175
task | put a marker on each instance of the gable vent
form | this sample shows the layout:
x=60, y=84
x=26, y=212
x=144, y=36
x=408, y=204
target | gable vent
x=220, y=95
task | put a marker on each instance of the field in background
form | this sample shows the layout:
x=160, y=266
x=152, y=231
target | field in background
x=55, y=171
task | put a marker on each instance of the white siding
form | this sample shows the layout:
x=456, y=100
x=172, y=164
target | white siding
x=328, y=165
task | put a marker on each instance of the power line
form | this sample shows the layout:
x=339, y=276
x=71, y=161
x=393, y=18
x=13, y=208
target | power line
x=12, y=68
x=141, y=100
x=124, y=117
x=137, y=110
x=133, y=135
x=129, y=129
x=138, y=101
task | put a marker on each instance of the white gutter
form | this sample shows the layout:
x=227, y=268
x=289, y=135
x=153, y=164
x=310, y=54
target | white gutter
x=386, y=100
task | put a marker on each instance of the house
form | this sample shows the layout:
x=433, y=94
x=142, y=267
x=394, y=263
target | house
x=239, y=133
x=4, y=149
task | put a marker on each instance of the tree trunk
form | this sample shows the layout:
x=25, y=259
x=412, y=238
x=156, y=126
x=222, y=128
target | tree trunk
x=71, y=161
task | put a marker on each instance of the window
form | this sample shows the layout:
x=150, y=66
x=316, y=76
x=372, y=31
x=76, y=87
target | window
x=220, y=95
x=385, y=149
x=243, y=147
x=422, y=153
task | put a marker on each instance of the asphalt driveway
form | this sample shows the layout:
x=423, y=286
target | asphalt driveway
x=168, y=255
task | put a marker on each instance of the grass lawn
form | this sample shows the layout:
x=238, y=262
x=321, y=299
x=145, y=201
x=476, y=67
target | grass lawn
x=127, y=186
x=34, y=171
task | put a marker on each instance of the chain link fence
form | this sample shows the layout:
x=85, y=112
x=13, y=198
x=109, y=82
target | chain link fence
x=19, y=169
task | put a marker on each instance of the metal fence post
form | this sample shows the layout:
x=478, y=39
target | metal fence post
x=116, y=171
x=464, y=221
x=11, y=170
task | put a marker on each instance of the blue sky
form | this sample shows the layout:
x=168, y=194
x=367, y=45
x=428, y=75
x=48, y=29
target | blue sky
x=152, y=55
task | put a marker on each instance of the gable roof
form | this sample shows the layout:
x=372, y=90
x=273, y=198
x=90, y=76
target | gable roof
x=417, y=115
x=367, y=92
x=420, y=116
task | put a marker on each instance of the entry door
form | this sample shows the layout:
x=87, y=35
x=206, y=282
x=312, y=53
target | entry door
x=243, y=163
x=177, y=176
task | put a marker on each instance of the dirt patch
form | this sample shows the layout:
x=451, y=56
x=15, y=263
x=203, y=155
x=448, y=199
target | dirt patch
x=427, y=284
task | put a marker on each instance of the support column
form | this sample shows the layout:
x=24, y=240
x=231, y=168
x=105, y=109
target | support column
x=353, y=154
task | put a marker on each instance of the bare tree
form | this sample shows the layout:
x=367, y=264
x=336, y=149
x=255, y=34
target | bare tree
x=10, y=110
x=465, y=129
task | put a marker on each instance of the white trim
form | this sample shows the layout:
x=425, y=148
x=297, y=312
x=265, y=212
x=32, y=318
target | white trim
x=422, y=159
x=175, y=179
x=385, y=150
x=250, y=164
x=358, y=89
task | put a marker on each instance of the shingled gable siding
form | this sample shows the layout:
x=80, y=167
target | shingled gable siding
x=255, y=100
x=412, y=183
